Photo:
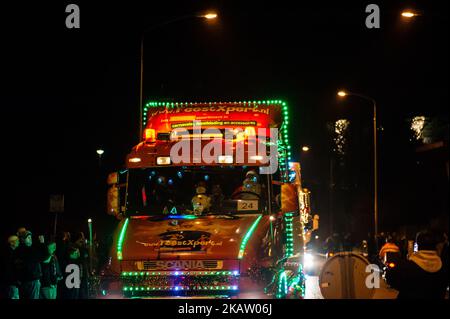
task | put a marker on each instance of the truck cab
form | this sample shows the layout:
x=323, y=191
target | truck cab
x=218, y=222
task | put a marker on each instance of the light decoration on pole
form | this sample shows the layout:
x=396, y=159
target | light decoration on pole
x=123, y=231
x=341, y=129
x=247, y=237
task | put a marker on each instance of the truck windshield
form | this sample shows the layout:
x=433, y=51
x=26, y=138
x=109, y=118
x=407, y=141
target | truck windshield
x=196, y=190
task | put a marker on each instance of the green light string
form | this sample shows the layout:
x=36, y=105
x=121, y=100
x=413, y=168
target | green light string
x=289, y=234
x=121, y=239
x=298, y=284
x=247, y=237
x=282, y=285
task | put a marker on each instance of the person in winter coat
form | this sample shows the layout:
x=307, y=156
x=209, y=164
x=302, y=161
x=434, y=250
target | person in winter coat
x=10, y=283
x=423, y=275
x=51, y=273
x=28, y=263
x=388, y=247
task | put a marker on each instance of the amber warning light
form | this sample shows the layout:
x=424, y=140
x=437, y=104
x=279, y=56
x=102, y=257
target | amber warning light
x=150, y=135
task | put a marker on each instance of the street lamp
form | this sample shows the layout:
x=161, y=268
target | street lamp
x=305, y=148
x=208, y=16
x=100, y=153
x=343, y=93
x=409, y=14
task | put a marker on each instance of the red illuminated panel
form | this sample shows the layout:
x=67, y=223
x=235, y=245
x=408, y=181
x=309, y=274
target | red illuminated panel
x=226, y=115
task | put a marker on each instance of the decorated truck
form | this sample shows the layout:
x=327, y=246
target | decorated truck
x=209, y=204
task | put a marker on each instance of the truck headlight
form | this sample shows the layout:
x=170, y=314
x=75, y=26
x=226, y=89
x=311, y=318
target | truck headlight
x=225, y=159
x=308, y=260
x=163, y=160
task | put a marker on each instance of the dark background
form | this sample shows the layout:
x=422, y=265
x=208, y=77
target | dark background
x=67, y=92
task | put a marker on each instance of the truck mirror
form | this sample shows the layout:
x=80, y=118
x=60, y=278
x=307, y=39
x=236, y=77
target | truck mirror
x=112, y=201
x=289, y=198
x=113, y=178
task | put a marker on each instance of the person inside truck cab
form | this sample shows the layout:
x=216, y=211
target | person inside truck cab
x=164, y=192
x=201, y=202
x=250, y=189
x=217, y=196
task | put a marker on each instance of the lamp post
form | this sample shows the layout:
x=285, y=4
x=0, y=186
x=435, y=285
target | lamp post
x=375, y=161
x=100, y=153
x=207, y=16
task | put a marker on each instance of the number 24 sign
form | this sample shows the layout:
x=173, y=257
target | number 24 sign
x=247, y=205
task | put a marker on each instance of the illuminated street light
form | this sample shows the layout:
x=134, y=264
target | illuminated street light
x=100, y=153
x=210, y=15
x=342, y=93
x=305, y=148
x=409, y=14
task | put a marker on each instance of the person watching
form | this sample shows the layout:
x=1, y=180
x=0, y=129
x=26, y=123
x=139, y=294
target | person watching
x=423, y=275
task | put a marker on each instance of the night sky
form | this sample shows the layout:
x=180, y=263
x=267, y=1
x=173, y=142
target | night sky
x=66, y=92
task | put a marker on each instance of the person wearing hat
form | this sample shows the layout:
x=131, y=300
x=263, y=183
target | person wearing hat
x=9, y=275
x=29, y=258
x=250, y=189
x=201, y=202
x=21, y=231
